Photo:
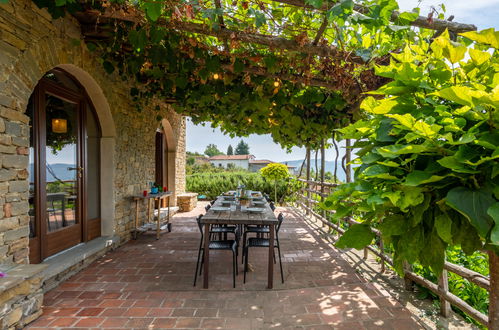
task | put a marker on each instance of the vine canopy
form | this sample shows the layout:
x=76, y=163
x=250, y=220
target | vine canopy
x=292, y=68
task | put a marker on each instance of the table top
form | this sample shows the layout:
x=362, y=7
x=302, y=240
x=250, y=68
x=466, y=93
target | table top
x=149, y=195
x=267, y=217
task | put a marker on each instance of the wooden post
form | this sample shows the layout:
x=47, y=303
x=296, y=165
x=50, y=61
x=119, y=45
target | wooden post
x=408, y=283
x=348, y=154
x=323, y=175
x=443, y=285
x=307, y=202
x=382, y=249
x=494, y=291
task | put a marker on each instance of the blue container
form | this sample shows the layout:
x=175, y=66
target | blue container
x=154, y=190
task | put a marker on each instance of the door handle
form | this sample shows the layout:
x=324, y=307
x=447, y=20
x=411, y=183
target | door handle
x=78, y=168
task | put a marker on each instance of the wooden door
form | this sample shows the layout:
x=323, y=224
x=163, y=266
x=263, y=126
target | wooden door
x=56, y=183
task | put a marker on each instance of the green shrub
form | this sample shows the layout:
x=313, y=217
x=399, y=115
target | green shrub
x=213, y=184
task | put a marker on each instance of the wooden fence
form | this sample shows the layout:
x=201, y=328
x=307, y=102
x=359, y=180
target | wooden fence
x=320, y=190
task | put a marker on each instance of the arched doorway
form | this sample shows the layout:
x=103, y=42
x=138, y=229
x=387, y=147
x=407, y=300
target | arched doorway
x=165, y=158
x=65, y=188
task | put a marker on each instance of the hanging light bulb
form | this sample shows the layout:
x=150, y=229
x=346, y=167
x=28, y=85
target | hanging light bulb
x=216, y=76
x=59, y=125
x=276, y=83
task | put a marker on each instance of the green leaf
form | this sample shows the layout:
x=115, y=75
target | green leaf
x=454, y=164
x=407, y=17
x=473, y=204
x=417, y=177
x=443, y=224
x=478, y=56
x=488, y=36
x=395, y=150
x=378, y=107
x=108, y=66
x=238, y=66
x=493, y=212
x=435, y=253
x=410, y=244
x=394, y=225
x=153, y=9
x=314, y=3
x=393, y=196
x=58, y=3
x=455, y=54
x=357, y=236
x=412, y=196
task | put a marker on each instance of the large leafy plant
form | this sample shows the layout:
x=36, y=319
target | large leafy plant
x=428, y=173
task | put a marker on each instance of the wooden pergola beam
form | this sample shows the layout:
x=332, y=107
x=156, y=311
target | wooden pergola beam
x=227, y=34
x=270, y=41
x=421, y=21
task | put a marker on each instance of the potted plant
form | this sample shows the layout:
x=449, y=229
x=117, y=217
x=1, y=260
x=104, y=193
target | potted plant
x=155, y=188
x=244, y=200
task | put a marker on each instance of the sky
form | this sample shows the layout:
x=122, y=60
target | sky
x=483, y=13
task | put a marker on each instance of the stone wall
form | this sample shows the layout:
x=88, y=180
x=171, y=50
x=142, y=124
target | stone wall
x=31, y=43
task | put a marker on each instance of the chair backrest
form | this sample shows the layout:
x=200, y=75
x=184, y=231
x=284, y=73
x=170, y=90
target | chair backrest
x=267, y=197
x=207, y=207
x=213, y=202
x=280, y=219
x=272, y=206
x=200, y=225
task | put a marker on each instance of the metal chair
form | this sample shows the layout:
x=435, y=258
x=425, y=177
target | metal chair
x=264, y=242
x=221, y=229
x=272, y=206
x=216, y=245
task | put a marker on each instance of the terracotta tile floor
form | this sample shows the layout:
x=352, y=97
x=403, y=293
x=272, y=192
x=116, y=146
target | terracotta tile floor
x=147, y=284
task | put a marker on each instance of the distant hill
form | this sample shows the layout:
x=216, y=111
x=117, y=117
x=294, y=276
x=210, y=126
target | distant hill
x=59, y=170
x=329, y=166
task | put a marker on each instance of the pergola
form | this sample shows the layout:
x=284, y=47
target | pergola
x=255, y=66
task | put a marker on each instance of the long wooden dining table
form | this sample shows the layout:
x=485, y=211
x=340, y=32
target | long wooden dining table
x=240, y=218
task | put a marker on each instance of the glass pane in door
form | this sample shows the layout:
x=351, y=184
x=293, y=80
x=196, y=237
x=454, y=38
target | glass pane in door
x=61, y=163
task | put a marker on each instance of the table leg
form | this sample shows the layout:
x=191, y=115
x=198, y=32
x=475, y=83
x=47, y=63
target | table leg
x=206, y=254
x=158, y=219
x=149, y=209
x=168, y=214
x=136, y=217
x=271, y=257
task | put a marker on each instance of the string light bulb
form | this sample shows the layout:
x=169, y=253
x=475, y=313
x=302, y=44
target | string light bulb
x=276, y=83
x=216, y=76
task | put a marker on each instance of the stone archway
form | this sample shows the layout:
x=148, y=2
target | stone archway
x=170, y=155
x=107, y=144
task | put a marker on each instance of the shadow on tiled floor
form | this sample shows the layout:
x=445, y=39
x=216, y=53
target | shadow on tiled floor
x=147, y=284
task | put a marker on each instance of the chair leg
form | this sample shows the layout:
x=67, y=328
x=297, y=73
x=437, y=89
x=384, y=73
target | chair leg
x=234, y=265
x=197, y=266
x=202, y=263
x=280, y=261
x=245, y=254
x=244, y=246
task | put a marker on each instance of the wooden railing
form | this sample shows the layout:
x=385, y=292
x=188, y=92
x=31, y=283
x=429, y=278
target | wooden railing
x=306, y=201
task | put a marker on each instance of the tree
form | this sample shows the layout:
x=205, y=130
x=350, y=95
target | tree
x=275, y=172
x=230, y=151
x=242, y=148
x=212, y=150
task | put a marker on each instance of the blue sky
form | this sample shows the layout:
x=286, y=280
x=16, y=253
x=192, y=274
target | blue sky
x=483, y=13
